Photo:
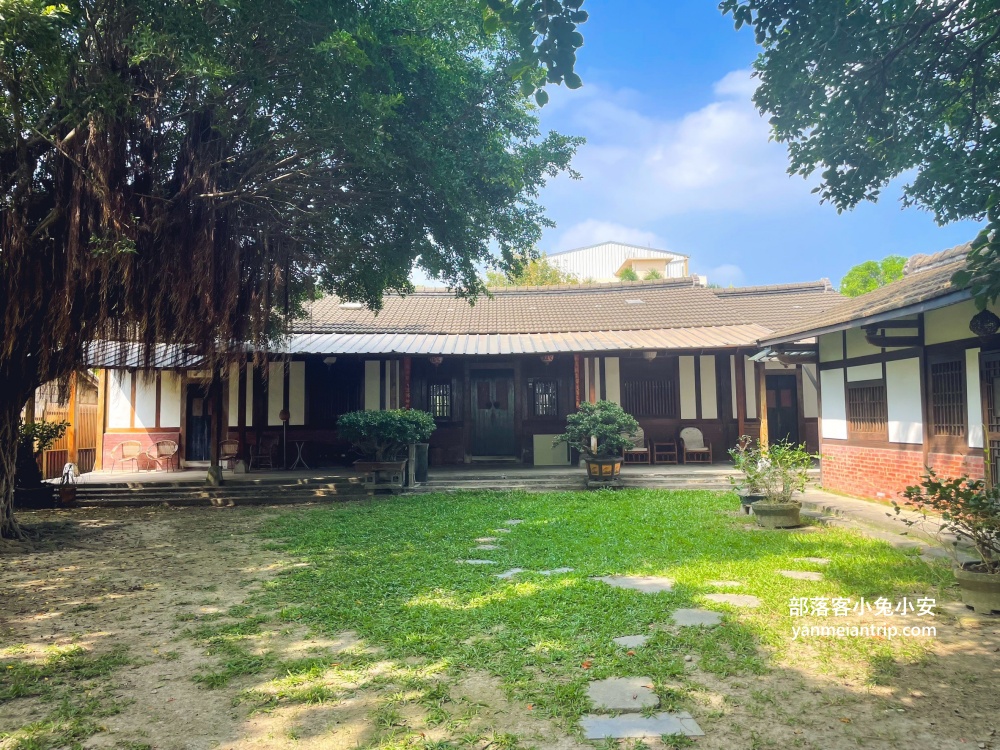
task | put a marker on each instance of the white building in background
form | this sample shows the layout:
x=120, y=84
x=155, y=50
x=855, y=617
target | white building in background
x=603, y=262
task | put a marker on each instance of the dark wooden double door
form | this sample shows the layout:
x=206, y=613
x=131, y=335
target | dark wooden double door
x=782, y=408
x=492, y=412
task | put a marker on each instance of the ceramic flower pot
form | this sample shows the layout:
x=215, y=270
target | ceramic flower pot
x=604, y=469
x=981, y=591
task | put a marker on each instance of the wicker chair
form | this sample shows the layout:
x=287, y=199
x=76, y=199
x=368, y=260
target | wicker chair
x=229, y=451
x=125, y=452
x=693, y=445
x=262, y=454
x=162, y=454
x=639, y=453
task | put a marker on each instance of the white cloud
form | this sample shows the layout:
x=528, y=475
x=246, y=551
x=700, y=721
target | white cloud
x=726, y=275
x=592, y=232
x=638, y=168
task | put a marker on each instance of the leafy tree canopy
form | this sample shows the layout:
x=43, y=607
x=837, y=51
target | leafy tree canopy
x=188, y=172
x=864, y=91
x=531, y=271
x=872, y=274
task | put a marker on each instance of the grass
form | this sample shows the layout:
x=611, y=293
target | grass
x=387, y=570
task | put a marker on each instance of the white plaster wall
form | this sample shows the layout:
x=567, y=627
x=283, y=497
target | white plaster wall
x=233, y=386
x=145, y=400
x=831, y=347
x=597, y=378
x=689, y=404
x=857, y=346
x=750, y=382
x=275, y=391
x=810, y=396
x=974, y=397
x=902, y=387
x=296, y=393
x=950, y=323
x=709, y=392
x=119, y=399
x=373, y=384
x=170, y=399
x=864, y=372
x=834, y=422
x=612, y=379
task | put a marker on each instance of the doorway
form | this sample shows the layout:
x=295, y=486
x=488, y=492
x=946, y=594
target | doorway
x=197, y=423
x=783, y=409
x=493, y=413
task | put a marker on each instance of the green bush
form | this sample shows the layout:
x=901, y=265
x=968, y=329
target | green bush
x=385, y=435
x=32, y=439
x=607, y=421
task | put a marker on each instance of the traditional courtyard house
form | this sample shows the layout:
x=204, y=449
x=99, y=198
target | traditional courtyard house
x=905, y=383
x=499, y=377
x=604, y=261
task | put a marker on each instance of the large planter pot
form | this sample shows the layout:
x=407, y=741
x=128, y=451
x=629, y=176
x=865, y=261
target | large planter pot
x=67, y=495
x=747, y=500
x=776, y=515
x=379, y=475
x=981, y=591
x=604, y=469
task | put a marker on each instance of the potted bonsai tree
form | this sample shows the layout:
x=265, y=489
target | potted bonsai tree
x=784, y=470
x=383, y=439
x=970, y=511
x=33, y=439
x=747, y=460
x=600, y=432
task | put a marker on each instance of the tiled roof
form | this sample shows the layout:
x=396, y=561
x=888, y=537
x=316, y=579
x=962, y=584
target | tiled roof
x=629, y=306
x=926, y=278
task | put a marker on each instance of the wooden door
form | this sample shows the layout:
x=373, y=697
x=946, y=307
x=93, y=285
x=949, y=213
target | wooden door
x=197, y=424
x=783, y=409
x=493, y=413
x=989, y=373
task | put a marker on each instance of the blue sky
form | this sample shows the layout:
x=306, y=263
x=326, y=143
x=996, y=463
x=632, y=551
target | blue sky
x=678, y=158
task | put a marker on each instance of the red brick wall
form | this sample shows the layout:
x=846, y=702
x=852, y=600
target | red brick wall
x=883, y=473
x=147, y=438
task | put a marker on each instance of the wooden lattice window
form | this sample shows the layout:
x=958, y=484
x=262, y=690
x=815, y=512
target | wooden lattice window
x=546, y=399
x=440, y=400
x=867, y=410
x=947, y=396
x=650, y=398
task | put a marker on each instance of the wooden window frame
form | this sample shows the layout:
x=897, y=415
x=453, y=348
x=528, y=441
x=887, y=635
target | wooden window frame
x=872, y=436
x=448, y=400
x=956, y=430
x=637, y=405
x=550, y=408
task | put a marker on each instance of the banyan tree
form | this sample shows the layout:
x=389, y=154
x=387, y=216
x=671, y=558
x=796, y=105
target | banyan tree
x=187, y=172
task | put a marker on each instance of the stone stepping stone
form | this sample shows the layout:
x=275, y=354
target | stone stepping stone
x=696, y=617
x=736, y=600
x=645, y=584
x=802, y=575
x=813, y=560
x=486, y=546
x=623, y=694
x=725, y=584
x=502, y=531
x=486, y=539
x=554, y=571
x=620, y=727
x=510, y=573
x=476, y=562
x=631, y=641
x=513, y=522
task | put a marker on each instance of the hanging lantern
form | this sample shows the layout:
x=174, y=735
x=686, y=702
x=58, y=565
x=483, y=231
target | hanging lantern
x=436, y=360
x=649, y=356
x=984, y=324
x=547, y=358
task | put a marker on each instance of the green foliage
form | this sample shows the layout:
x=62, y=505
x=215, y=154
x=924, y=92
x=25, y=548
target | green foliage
x=867, y=91
x=538, y=271
x=966, y=507
x=784, y=470
x=628, y=274
x=606, y=421
x=746, y=456
x=41, y=436
x=871, y=275
x=651, y=275
x=385, y=435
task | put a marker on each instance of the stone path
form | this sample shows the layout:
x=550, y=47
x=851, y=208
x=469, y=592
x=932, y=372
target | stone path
x=623, y=694
x=725, y=584
x=554, y=571
x=513, y=522
x=486, y=539
x=696, y=617
x=510, y=573
x=476, y=562
x=631, y=641
x=597, y=727
x=645, y=584
x=487, y=546
x=813, y=560
x=736, y=600
x=802, y=575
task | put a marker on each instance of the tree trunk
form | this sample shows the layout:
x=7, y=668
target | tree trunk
x=10, y=418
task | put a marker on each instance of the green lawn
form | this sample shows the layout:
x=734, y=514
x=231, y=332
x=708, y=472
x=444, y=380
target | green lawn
x=387, y=570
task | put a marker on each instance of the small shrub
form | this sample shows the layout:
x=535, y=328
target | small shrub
x=606, y=421
x=385, y=435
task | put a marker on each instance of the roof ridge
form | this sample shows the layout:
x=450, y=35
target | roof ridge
x=823, y=284
x=929, y=261
x=616, y=242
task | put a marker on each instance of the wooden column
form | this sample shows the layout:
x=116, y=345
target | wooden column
x=740, y=384
x=241, y=408
x=576, y=381
x=592, y=371
x=762, y=406
x=73, y=417
x=102, y=417
x=407, y=369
